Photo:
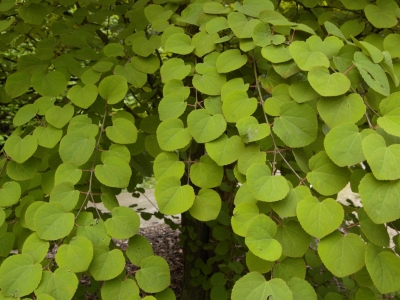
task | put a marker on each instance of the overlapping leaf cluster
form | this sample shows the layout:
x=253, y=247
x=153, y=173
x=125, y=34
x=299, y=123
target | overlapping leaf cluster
x=256, y=113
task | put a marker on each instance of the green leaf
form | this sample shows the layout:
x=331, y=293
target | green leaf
x=326, y=177
x=96, y=233
x=206, y=173
x=204, y=127
x=83, y=124
x=373, y=52
x=137, y=78
x=343, y=144
x=76, y=148
x=342, y=109
x=216, y=24
x=254, y=286
x=301, y=91
x=375, y=233
x=65, y=194
x=48, y=136
x=243, y=213
x=251, y=131
x=240, y=26
x=264, y=186
x=280, y=96
x=19, y=275
x=17, y=84
x=62, y=284
x=179, y=43
x=301, y=289
x=76, y=256
x=210, y=82
x=290, y=268
x=373, y=74
x=122, y=131
x=84, y=96
x=52, y=222
x=174, y=68
x=230, y=60
x=237, y=105
x=171, y=106
x=118, y=289
x=171, y=135
x=67, y=172
x=382, y=16
x=59, y=116
x=205, y=42
x=167, y=164
x=259, y=238
x=51, y=84
x=25, y=114
x=384, y=268
x=330, y=46
x=319, y=218
x=249, y=156
x=380, y=199
x=389, y=108
x=297, y=125
x=294, y=240
x=107, y=265
x=22, y=171
x=276, y=53
x=342, y=255
x=354, y=5
x=153, y=275
x=36, y=247
x=305, y=58
x=172, y=198
x=114, y=50
x=138, y=248
x=148, y=65
x=287, y=207
x=123, y=224
x=275, y=18
x=10, y=193
x=256, y=264
x=20, y=149
x=391, y=44
x=113, y=88
x=206, y=206
x=383, y=160
x=326, y=84
x=224, y=150
x=114, y=172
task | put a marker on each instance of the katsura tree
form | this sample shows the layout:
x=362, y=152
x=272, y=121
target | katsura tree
x=252, y=115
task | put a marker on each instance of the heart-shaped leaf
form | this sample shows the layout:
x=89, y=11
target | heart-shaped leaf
x=343, y=144
x=122, y=131
x=179, y=43
x=381, y=16
x=297, y=125
x=76, y=148
x=249, y=156
x=67, y=172
x=138, y=248
x=287, y=207
x=36, y=247
x=171, y=106
x=380, y=199
x=10, y=193
x=210, y=82
x=301, y=289
x=294, y=240
x=174, y=68
x=319, y=219
x=259, y=238
x=251, y=131
x=47, y=136
x=59, y=116
x=123, y=224
x=65, y=194
x=230, y=60
x=20, y=281
x=254, y=286
x=390, y=110
x=384, y=268
x=206, y=173
x=167, y=164
x=276, y=53
x=375, y=233
x=384, y=161
x=113, y=88
x=238, y=105
x=224, y=150
x=84, y=96
x=51, y=84
x=264, y=186
x=172, y=198
x=154, y=274
x=52, y=222
x=204, y=127
x=114, y=172
x=118, y=289
x=301, y=91
x=20, y=149
x=305, y=58
x=76, y=256
x=206, y=206
x=240, y=26
x=342, y=255
x=17, y=84
x=326, y=84
x=330, y=46
x=171, y=135
x=25, y=114
x=325, y=176
x=107, y=265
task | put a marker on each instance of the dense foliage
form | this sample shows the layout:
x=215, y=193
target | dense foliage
x=252, y=115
